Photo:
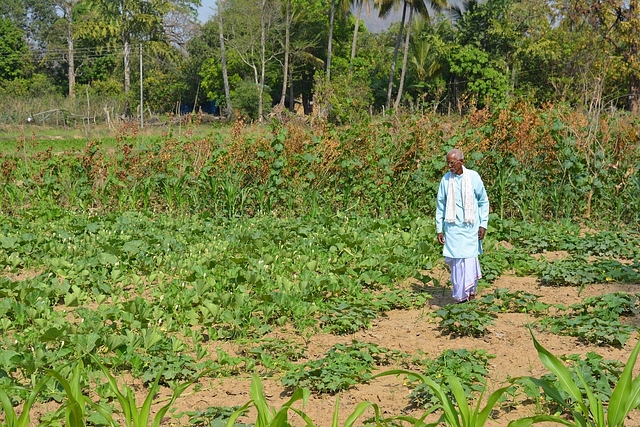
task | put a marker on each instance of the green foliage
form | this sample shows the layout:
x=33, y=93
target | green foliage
x=343, y=100
x=585, y=409
x=599, y=375
x=75, y=406
x=278, y=417
x=139, y=416
x=213, y=416
x=343, y=367
x=347, y=318
x=469, y=368
x=245, y=97
x=14, y=53
x=485, y=80
x=596, y=320
x=457, y=411
x=203, y=279
x=506, y=301
x=275, y=355
x=577, y=271
x=465, y=319
x=11, y=419
x=499, y=260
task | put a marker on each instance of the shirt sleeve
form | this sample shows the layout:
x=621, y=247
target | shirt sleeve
x=483, y=201
x=441, y=200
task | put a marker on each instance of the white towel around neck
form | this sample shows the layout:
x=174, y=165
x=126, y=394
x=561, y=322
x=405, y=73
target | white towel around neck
x=468, y=202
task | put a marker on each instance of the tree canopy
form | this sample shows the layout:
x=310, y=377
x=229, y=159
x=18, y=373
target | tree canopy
x=476, y=54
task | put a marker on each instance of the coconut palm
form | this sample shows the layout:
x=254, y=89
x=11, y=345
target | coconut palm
x=358, y=4
x=344, y=6
x=412, y=6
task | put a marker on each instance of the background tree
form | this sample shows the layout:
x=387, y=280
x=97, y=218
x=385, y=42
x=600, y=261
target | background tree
x=14, y=53
x=129, y=20
x=66, y=9
x=223, y=61
x=617, y=23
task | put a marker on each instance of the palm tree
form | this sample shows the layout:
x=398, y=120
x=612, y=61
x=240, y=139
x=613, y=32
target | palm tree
x=332, y=14
x=419, y=6
x=128, y=19
x=404, y=58
x=358, y=4
x=345, y=7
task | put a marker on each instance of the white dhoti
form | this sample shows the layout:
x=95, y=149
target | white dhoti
x=465, y=273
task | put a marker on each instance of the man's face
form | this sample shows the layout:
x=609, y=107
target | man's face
x=454, y=164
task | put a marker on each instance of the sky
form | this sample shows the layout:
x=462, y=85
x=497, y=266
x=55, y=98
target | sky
x=206, y=10
x=372, y=22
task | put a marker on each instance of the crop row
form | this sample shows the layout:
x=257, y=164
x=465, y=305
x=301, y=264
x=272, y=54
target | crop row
x=536, y=164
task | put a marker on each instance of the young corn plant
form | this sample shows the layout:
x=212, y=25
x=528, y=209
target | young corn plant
x=456, y=412
x=270, y=417
x=590, y=413
x=138, y=416
x=10, y=417
x=76, y=403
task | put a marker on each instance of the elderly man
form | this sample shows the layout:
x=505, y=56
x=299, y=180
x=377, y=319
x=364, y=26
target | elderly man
x=462, y=215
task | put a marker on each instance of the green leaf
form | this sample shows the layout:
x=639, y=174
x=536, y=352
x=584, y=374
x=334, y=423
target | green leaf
x=562, y=373
x=626, y=394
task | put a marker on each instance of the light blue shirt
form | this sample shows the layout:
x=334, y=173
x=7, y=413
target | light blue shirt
x=461, y=240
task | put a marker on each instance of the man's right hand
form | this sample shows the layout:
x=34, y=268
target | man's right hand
x=441, y=238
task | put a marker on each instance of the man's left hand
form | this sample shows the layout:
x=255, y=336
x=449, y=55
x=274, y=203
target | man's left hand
x=481, y=232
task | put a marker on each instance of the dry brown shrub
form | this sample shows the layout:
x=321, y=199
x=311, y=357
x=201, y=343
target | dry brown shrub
x=242, y=151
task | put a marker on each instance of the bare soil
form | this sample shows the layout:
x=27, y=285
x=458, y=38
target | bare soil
x=415, y=331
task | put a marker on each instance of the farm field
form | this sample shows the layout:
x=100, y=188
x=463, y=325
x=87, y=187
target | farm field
x=199, y=271
x=414, y=332
x=322, y=303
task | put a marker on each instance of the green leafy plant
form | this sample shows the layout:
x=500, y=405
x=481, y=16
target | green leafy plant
x=343, y=367
x=212, y=416
x=469, y=367
x=401, y=299
x=596, y=320
x=585, y=409
x=514, y=302
x=468, y=319
x=599, y=374
x=276, y=355
x=347, y=318
x=268, y=416
x=578, y=271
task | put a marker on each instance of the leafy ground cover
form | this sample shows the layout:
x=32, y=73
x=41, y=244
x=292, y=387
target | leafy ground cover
x=318, y=302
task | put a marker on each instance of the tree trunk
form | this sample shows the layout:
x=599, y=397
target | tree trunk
x=395, y=56
x=329, y=45
x=287, y=32
x=126, y=53
x=72, y=67
x=634, y=94
x=292, y=101
x=263, y=42
x=354, y=44
x=404, y=58
x=634, y=78
x=223, y=62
